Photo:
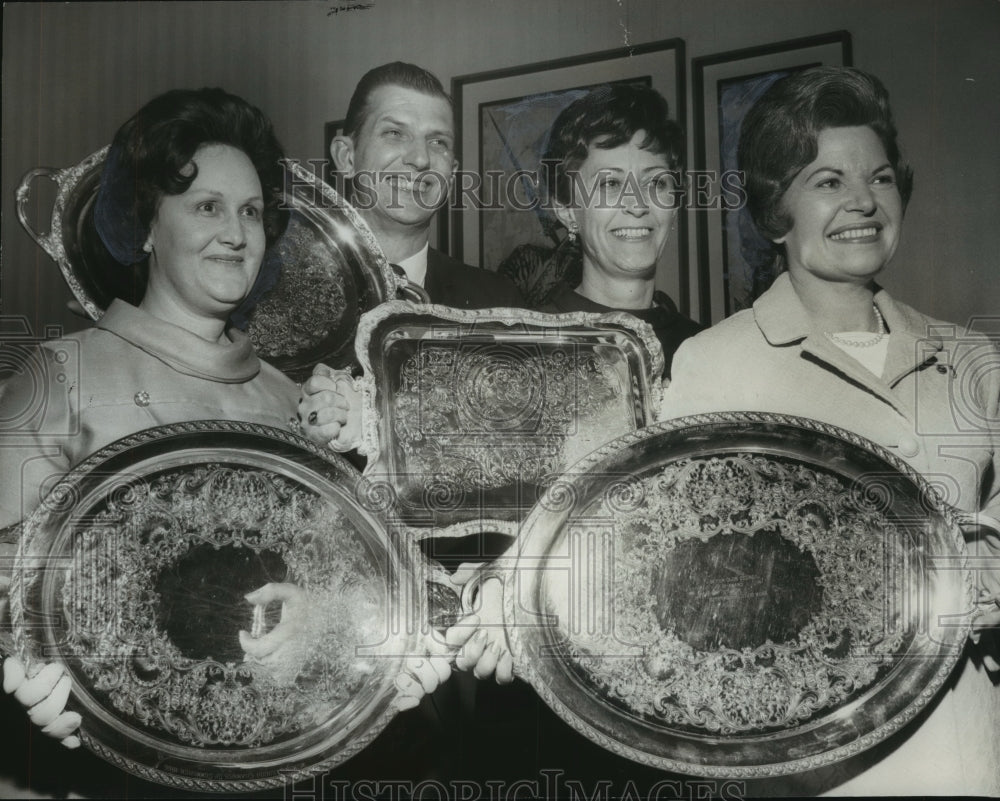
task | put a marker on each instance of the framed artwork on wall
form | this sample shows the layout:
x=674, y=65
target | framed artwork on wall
x=502, y=121
x=734, y=264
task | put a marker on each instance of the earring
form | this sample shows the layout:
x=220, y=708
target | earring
x=573, y=229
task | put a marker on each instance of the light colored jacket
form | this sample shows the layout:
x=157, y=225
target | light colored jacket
x=937, y=406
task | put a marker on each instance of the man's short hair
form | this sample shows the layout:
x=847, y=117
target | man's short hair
x=397, y=73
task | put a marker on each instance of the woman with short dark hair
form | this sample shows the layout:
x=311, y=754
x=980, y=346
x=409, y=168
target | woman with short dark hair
x=826, y=184
x=612, y=171
x=606, y=118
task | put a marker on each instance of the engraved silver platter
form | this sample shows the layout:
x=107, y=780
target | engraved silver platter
x=471, y=414
x=134, y=573
x=738, y=595
x=314, y=284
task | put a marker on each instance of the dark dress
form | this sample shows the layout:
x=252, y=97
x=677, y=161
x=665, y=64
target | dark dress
x=670, y=326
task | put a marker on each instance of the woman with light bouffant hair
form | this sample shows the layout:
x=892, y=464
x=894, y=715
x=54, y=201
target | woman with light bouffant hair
x=827, y=186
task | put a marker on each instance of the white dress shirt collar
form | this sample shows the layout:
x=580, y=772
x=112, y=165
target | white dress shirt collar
x=415, y=266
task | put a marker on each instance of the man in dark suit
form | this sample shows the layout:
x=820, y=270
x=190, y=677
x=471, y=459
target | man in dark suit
x=397, y=152
x=397, y=148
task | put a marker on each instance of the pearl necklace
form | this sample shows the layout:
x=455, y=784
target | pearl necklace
x=871, y=341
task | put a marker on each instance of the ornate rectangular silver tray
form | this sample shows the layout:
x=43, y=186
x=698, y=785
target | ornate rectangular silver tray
x=470, y=415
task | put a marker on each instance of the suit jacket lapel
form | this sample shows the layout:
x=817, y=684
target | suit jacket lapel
x=434, y=281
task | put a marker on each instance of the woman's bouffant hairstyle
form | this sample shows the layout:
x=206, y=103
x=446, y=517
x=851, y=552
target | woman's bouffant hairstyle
x=396, y=73
x=151, y=154
x=608, y=117
x=779, y=135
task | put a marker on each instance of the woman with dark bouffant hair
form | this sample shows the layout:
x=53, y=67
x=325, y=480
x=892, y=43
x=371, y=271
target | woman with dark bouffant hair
x=190, y=195
x=153, y=155
x=826, y=184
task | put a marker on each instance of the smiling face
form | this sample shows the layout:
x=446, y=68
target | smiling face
x=845, y=209
x=207, y=243
x=403, y=157
x=623, y=207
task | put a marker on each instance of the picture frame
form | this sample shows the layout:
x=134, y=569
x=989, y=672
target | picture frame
x=502, y=118
x=733, y=263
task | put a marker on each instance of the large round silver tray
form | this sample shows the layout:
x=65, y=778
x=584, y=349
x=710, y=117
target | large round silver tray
x=315, y=283
x=133, y=574
x=738, y=595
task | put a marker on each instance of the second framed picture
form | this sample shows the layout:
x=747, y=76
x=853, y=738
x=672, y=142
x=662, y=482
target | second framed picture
x=502, y=121
x=733, y=259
